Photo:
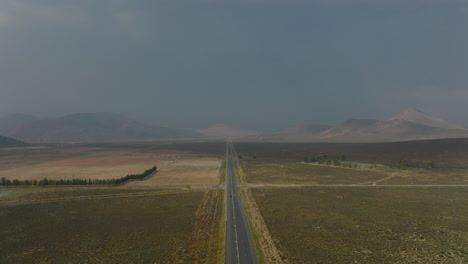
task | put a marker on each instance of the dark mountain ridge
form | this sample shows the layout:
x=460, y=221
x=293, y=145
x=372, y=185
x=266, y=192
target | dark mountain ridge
x=7, y=142
x=89, y=127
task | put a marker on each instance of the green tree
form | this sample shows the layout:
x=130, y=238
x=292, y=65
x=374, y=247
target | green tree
x=431, y=164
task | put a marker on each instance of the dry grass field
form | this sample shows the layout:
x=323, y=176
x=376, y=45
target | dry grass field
x=188, y=171
x=155, y=220
x=69, y=163
x=282, y=162
x=146, y=229
x=288, y=172
x=355, y=223
x=445, y=152
x=367, y=225
x=175, y=167
x=269, y=171
x=89, y=224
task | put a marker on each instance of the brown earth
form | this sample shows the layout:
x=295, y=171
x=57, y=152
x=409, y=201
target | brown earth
x=175, y=168
x=89, y=163
x=188, y=171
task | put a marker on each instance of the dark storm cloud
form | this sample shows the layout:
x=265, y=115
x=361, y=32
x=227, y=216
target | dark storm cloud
x=264, y=64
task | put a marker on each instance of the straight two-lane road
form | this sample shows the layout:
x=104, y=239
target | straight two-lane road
x=239, y=244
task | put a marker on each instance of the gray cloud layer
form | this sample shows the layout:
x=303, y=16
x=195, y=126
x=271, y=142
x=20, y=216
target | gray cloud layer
x=265, y=64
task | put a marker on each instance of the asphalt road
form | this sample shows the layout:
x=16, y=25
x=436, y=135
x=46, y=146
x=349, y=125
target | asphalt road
x=239, y=244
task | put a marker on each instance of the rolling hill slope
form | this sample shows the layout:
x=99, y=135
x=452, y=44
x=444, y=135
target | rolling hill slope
x=300, y=133
x=90, y=127
x=6, y=142
x=407, y=125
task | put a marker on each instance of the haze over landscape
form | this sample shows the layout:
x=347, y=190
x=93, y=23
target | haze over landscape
x=110, y=127
x=234, y=131
x=265, y=65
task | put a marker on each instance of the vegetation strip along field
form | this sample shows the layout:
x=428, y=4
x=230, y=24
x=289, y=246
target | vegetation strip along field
x=207, y=241
x=34, y=199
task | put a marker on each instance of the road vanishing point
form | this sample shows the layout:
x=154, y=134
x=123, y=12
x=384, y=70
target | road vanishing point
x=239, y=244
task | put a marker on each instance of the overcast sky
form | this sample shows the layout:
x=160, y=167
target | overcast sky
x=264, y=64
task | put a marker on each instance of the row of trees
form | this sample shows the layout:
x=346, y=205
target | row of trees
x=46, y=182
x=322, y=159
x=403, y=163
x=136, y=176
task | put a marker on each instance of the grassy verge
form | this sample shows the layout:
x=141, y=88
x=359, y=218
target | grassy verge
x=207, y=241
x=222, y=231
x=222, y=169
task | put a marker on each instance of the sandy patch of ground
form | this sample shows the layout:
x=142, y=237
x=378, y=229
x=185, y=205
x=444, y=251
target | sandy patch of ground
x=97, y=168
x=185, y=171
x=76, y=163
x=175, y=168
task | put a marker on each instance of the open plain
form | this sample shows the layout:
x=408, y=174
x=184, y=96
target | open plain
x=185, y=171
x=175, y=167
x=316, y=213
x=283, y=162
x=367, y=225
x=367, y=213
x=160, y=219
x=126, y=229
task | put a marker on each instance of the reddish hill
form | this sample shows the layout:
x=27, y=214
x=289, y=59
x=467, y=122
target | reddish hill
x=300, y=133
x=419, y=117
x=221, y=130
x=350, y=127
x=407, y=125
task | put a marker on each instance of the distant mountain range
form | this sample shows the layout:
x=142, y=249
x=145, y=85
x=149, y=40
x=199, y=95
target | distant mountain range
x=301, y=133
x=408, y=125
x=111, y=127
x=6, y=142
x=85, y=127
